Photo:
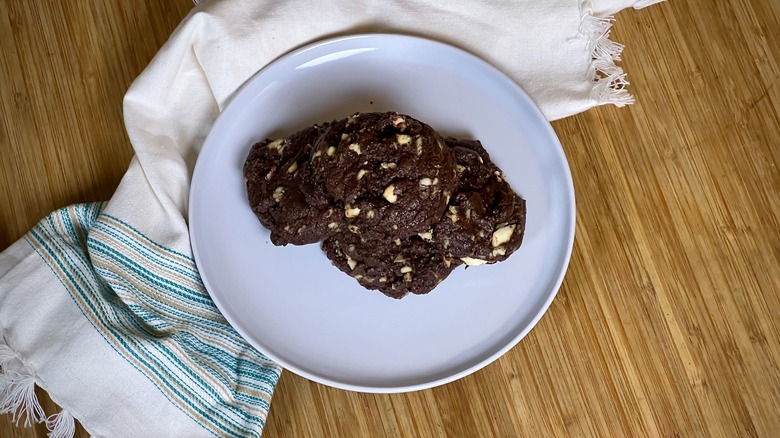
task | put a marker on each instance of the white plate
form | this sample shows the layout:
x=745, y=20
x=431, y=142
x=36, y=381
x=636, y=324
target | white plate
x=291, y=304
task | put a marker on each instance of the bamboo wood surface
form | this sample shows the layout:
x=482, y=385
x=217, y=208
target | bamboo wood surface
x=665, y=324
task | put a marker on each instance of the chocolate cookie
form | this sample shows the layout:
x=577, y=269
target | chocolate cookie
x=393, y=173
x=398, y=206
x=283, y=192
x=394, y=267
x=485, y=218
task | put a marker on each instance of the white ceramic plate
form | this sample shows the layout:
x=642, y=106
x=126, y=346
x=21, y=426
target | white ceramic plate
x=291, y=304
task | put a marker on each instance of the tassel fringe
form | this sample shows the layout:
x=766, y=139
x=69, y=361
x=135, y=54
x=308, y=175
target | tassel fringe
x=17, y=396
x=61, y=425
x=17, y=388
x=609, y=80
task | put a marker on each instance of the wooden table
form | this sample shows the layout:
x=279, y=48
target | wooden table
x=664, y=325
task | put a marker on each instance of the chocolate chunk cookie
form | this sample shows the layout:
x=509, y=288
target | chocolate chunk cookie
x=398, y=206
x=393, y=173
x=283, y=192
x=485, y=218
x=393, y=266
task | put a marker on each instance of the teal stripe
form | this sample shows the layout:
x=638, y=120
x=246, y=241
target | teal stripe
x=114, y=236
x=188, y=264
x=133, y=268
x=150, y=278
x=258, y=372
x=103, y=335
x=122, y=339
x=206, y=330
x=70, y=227
x=270, y=370
x=168, y=264
x=172, y=310
x=230, y=362
x=238, y=395
x=202, y=384
x=205, y=324
x=263, y=377
x=150, y=241
x=90, y=304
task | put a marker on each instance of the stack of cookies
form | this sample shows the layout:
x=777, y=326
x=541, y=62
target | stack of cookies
x=395, y=205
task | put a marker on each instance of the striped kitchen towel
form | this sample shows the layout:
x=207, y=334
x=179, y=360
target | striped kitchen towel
x=102, y=305
x=132, y=307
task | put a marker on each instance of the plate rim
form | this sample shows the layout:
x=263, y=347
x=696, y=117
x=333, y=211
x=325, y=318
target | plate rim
x=468, y=370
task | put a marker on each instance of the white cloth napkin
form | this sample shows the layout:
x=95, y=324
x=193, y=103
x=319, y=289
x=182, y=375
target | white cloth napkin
x=101, y=304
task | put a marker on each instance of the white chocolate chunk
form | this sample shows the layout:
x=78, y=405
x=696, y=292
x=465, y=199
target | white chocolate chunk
x=399, y=259
x=459, y=168
x=406, y=269
x=350, y=211
x=278, y=193
x=502, y=235
x=276, y=144
x=383, y=279
x=403, y=139
x=500, y=251
x=418, y=143
x=398, y=120
x=293, y=167
x=425, y=182
x=331, y=150
x=426, y=236
x=354, y=147
x=472, y=261
x=407, y=277
x=390, y=195
x=370, y=214
x=344, y=136
x=397, y=242
x=333, y=225
x=388, y=166
x=352, y=263
x=360, y=173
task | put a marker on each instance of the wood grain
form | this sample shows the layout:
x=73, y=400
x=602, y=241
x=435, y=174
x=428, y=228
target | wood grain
x=664, y=325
